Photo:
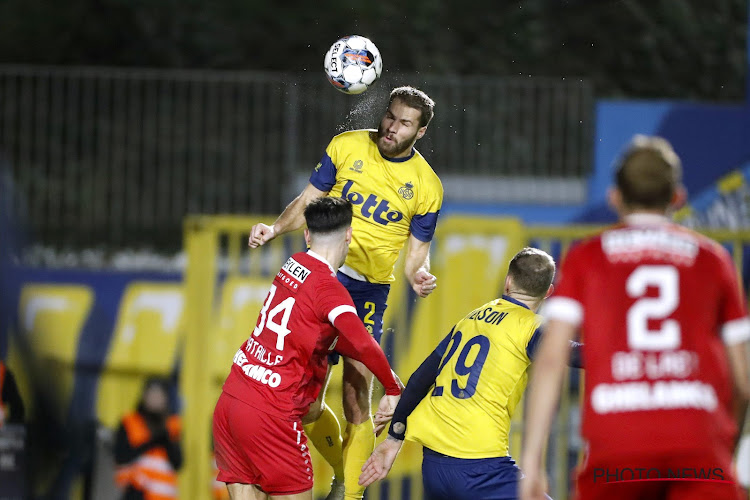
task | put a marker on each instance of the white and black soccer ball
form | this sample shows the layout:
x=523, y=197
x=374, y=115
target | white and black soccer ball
x=352, y=64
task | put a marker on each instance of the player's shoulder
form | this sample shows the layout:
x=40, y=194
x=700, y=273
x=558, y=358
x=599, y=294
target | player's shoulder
x=425, y=169
x=429, y=183
x=711, y=251
x=496, y=309
x=681, y=243
x=318, y=267
x=491, y=304
x=705, y=243
x=307, y=271
x=353, y=137
x=588, y=246
x=312, y=278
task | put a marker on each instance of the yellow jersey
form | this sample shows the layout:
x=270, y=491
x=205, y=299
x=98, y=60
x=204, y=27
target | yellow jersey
x=392, y=198
x=480, y=380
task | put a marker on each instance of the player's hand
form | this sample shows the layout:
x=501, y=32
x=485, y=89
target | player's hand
x=424, y=283
x=533, y=485
x=385, y=412
x=380, y=462
x=259, y=234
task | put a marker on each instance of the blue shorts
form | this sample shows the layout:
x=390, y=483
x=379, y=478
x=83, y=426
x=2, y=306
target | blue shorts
x=450, y=478
x=370, y=301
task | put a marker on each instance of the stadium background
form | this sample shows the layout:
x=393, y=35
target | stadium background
x=105, y=281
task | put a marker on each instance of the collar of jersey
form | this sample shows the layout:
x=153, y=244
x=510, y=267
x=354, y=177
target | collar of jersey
x=516, y=302
x=399, y=160
x=321, y=259
x=639, y=218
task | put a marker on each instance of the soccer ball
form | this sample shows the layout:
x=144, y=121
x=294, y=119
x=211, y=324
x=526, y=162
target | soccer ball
x=352, y=64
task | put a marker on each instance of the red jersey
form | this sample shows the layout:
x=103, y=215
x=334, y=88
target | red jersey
x=655, y=302
x=281, y=367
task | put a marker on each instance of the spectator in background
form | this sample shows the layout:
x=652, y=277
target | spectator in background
x=147, y=447
x=11, y=404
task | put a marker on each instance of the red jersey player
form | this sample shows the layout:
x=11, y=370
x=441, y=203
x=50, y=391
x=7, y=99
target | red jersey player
x=261, y=449
x=665, y=331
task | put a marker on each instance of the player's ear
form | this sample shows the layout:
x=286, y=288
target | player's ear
x=508, y=283
x=679, y=197
x=421, y=132
x=614, y=200
x=349, y=235
x=307, y=237
x=550, y=290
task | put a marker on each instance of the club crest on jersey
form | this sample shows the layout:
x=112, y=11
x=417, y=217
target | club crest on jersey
x=372, y=207
x=406, y=191
x=357, y=166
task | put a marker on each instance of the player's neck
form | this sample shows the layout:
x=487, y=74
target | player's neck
x=641, y=216
x=532, y=303
x=330, y=255
x=626, y=211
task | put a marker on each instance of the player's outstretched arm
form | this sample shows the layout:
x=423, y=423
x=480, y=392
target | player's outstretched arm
x=735, y=332
x=356, y=343
x=291, y=218
x=380, y=462
x=417, y=267
x=420, y=383
x=738, y=363
x=544, y=392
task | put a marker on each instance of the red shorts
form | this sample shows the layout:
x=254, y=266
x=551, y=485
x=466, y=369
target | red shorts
x=253, y=447
x=672, y=476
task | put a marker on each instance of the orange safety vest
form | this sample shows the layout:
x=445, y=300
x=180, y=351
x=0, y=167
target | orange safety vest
x=219, y=489
x=150, y=473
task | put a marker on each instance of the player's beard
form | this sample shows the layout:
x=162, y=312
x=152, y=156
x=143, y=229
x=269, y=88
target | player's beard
x=393, y=149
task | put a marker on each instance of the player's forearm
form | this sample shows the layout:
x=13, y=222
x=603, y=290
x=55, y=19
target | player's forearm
x=417, y=257
x=543, y=395
x=416, y=389
x=738, y=362
x=356, y=343
x=740, y=413
x=544, y=391
x=293, y=216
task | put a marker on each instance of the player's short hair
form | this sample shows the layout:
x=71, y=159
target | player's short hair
x=648, y=173
x=415, y=98
x=532, y=271
x=328, y=214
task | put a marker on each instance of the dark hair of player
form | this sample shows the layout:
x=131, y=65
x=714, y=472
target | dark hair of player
x=415, y=98
x=648, y=173
x=328, y=214
x=532, y=271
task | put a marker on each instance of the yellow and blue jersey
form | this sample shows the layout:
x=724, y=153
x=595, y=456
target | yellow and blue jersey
x=479, y=372
x=392, y=198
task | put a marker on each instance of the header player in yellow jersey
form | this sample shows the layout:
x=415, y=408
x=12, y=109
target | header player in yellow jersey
x=477, y=375
x=397, y=199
